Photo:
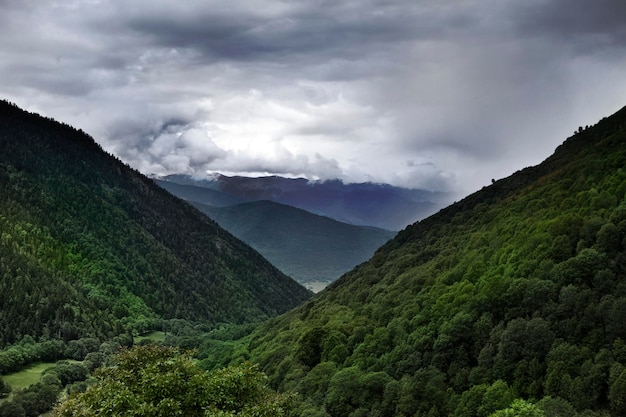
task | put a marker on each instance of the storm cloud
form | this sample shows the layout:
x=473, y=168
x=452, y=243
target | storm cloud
x=440, y=95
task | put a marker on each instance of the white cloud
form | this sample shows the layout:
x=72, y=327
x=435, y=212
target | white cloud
x=440, y=95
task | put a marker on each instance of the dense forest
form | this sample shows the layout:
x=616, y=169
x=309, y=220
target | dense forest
x=511, y=301
x=90, y=248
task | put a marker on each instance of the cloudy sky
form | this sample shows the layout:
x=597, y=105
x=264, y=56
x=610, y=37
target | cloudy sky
x=436, y=94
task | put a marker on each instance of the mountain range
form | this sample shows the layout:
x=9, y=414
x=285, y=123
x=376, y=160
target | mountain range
x=363, y=204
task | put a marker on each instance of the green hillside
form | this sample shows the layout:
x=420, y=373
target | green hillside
x=310, y=248
x=91, y=248
x=516, y=292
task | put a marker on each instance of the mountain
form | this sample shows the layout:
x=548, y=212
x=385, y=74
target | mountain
x=314, y=250
x=366, y=204
x=512, y=299
x=203, y=195
x=91, y=248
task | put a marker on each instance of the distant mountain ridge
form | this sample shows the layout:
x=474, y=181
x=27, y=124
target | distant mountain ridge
x=365, y=204
x=204, y=195
x=312, y=231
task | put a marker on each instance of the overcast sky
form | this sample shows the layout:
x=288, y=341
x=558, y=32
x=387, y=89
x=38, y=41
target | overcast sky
x=436, y=94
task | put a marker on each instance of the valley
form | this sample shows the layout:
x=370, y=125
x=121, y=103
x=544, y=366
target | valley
x=276, y=208
x=510, y=299
x=314, y=232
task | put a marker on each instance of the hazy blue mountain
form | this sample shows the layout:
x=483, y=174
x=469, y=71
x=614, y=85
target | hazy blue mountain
x=199, y=194
x=365, y=204
x=315, y=250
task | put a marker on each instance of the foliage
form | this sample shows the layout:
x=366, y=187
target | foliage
x=36, y=383
x=67, y=372
x=161, y=381
x=516, y=292
x=519, y=408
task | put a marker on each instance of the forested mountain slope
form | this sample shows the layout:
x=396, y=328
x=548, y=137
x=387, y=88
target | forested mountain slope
x=312, y=249
x=517, y=291
x=89, y=247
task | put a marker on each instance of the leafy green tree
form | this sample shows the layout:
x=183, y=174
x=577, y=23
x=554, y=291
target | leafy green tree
x=68, y=372
x=482, y=400
x=470, y=401
x=315, y=384
x=520, y=408
x=556, y=407
x=344, y=392
x=11, y=409
x=310, y=347
x=161, y=381
x=94, y=360
x=32, y=401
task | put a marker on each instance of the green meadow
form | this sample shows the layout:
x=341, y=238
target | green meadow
x=156, y=336
x=26, y=377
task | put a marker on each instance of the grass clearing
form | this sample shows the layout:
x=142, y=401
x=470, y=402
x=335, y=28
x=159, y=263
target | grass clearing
x=26, y=377
x=156, y=336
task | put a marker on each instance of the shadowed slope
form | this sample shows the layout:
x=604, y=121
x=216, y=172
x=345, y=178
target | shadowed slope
x=307, y=247
x=89, y=246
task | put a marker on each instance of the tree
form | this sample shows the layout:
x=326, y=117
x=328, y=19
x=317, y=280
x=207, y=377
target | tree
x=520, y=408
x=11, y=409
x=68, y=372
x=343, y=393
x=482, y=400
x=310, y=349
x=161, y=381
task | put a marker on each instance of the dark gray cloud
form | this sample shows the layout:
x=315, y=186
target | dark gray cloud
x=304, y=29
x=442, y=95
x=587, y=27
